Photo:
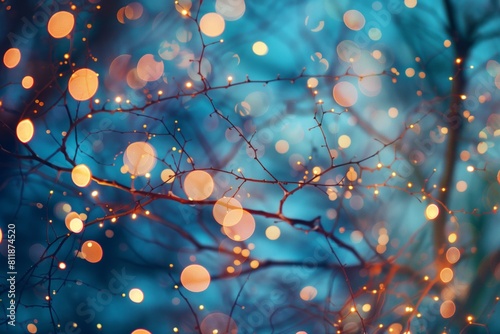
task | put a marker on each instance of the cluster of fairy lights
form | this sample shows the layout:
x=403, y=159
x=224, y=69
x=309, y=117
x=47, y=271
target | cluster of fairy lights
x=237, y=223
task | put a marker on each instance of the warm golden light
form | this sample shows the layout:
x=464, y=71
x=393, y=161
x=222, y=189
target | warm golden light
x=410, y=72
x=243, y=230
x=345, y=94
x=25, y=131
x=195, y=278
x=133, y=11
x=447, y=309
x=273, y=232
x=260, y=48
x=61, y=24
x=254, y=264
x=198, y=185
x=32, y=328
x=352, y=175
x=344, y=141
x=83, y=84
x=431, y=212
x=308, y=293
x=81, y=175
x=12, y=57
x=140, y=331
x=91, y=251
x=167, y=175
x=452, y=238
x=282, y=146
x=27, y=82
x=76, y=225
x=227, y=211
x=212, y=24
x=453, y=255
x=312, y=82
x=461, y=186
x=446, y=275
x=354, y=20
x=136, y=295
x=139, y=158
x=69, y=217
x=410, y=3
x=149, y=69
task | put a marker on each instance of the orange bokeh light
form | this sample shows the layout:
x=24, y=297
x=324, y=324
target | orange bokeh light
x=61, y=24
x=83, y=84
x=25, y=130
x=198, y=185
x=91, y=251
x=227, y=207
x=12, y=57
x=242, y=230
x=195, y=278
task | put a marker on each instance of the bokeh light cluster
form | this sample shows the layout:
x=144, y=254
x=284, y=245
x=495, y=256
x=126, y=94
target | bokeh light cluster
x=232, y=166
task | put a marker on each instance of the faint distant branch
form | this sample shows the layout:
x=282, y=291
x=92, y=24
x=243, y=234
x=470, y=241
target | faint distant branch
x=445, y=184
